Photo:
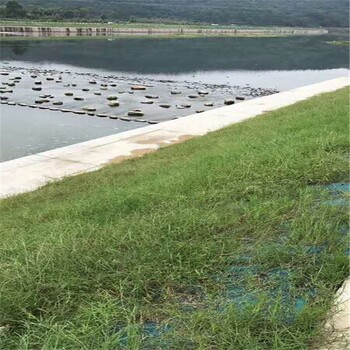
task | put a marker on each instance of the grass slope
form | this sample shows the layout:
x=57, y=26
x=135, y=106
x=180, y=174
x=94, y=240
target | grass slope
x=145, y=254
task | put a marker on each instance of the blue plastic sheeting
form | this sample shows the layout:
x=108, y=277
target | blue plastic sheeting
x=150, y=331
x=246, y=283
x=339, y=187
x=316, y=249
x=338, y=202
x=338, y=190
x=344, y=230
x=153, y=329
x=275, y=285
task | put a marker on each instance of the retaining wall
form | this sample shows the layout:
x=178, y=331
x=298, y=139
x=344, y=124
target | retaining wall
x=95, y=31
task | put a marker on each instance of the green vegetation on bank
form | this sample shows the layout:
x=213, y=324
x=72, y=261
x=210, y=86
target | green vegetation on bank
x=227, y=241
x=302, y=13
x=127, y=25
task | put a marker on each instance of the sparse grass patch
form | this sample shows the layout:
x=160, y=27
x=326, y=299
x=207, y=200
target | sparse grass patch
x=228, y=241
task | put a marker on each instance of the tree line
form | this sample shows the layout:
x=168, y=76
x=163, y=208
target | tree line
x=306, y=13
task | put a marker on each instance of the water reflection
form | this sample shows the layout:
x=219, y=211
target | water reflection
x=19, y=48
x=173, y=56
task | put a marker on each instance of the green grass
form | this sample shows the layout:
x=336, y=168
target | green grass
x=87, y=262
x=24, y=22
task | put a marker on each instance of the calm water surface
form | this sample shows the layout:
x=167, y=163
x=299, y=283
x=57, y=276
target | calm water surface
x=277, y=63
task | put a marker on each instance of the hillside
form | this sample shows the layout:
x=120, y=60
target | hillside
x=309, y=13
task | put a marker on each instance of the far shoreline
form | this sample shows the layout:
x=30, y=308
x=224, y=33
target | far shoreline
x=38, y=29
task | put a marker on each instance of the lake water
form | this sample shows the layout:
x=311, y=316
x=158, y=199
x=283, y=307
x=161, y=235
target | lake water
x=224, y=67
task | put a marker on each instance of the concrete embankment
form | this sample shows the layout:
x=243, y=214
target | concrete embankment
x=95, y=31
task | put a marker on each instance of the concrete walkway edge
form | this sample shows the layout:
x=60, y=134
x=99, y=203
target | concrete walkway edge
x=338, y=325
